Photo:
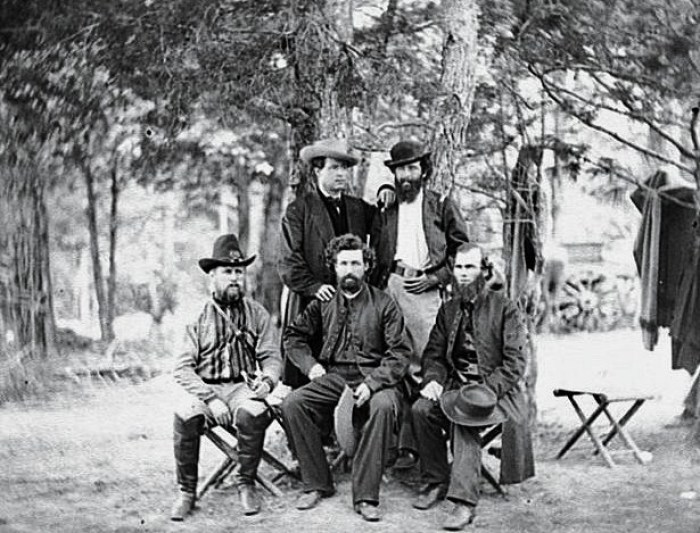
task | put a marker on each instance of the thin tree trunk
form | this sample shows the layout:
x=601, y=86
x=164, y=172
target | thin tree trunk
x=113, y=226
x=269, y=279
x=106, y=330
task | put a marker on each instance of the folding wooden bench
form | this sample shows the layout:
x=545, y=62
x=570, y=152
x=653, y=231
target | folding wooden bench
x=230, y=462
x=617, y=427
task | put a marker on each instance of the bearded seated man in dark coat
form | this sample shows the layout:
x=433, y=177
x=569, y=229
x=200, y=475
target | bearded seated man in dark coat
x=365, y=347
x=472, y=368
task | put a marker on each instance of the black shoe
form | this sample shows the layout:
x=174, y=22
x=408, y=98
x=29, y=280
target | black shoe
x=407, y=460
x=250, y=501
x=309, y=500
x=429, y=495
x=182, y=506
x=461, y=515
x=368, y=511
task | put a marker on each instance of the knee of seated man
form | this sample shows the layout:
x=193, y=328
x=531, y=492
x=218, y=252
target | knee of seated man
x=250, y=410
x=422, y=407
x=382, y=402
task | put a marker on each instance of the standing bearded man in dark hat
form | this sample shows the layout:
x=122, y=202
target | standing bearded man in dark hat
x=309, y=224
x=473, y=368
x=229, y=340
x=413, y=239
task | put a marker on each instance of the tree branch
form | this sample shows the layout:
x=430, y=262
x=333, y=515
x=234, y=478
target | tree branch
x=591, y=124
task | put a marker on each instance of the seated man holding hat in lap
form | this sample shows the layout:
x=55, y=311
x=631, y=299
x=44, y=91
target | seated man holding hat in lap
x=472, y=369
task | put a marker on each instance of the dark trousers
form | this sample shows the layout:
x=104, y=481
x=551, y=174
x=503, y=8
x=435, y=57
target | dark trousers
x=308, y=416
x=432, y=430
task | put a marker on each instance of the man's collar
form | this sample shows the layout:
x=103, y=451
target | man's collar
x=324, y=192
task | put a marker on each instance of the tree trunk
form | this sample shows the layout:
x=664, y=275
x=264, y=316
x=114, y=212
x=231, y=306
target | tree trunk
x=113, y=226
x=268, y=278
x=106, y=330
x=522, y=251
x=26, y=304
x=451, y=109
x=695, y=136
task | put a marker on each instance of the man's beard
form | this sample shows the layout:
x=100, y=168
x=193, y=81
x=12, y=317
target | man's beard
x=469, y=291
x=350, y=283
x=231, y=294
x=407, y=190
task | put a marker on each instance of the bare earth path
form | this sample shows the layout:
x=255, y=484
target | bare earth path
x=102, y=461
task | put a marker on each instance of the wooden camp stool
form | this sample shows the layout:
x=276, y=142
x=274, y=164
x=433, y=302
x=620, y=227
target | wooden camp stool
x=230, y=462
x=617, y=427
x=488, y=435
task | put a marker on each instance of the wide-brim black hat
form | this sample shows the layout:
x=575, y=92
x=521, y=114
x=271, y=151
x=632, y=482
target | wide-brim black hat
x=226, y=252
x=472, y=405
x=405, y=152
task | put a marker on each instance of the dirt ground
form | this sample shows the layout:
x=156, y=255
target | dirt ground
x=101, y=460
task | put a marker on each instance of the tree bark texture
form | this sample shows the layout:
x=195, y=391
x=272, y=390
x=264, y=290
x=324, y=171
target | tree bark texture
x=522, y=250
x=324, y=82
x=451, y=109
x=26, y=304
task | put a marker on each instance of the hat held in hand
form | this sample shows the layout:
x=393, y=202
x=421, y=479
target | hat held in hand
x=342, y=417
x=473, y=404
x=227, y=252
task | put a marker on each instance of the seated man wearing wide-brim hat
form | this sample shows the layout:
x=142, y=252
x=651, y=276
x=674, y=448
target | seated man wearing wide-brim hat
x=473, y=368
x=229, y=361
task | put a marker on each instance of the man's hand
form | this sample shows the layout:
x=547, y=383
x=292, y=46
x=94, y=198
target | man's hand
x=316, y=371
x=261, y=388
x=432, y=391
x=362, y=394
x=422, y=283
x=220, y=412
x=325, y=293
x=386, y=197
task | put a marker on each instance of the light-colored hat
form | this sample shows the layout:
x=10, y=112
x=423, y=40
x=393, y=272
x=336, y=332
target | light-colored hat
x=471, y=405
x=334, y=148
x=344, y=429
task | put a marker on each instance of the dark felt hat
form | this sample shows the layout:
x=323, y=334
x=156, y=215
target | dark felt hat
x=227, y=252
x=342, y=417
x=405, y=152
x=333, y=148
x=471, y=405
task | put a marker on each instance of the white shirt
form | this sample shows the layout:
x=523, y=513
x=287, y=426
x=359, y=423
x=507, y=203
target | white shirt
x=411, y=246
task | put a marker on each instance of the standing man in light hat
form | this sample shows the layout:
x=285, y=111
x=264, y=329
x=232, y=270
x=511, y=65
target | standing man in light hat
x=309, y=224
x=473, y=368
x=230, y=338
x=413, y=239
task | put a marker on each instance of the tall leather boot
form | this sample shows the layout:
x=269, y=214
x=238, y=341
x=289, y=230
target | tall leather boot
x=186, y=438
x=251, y=436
